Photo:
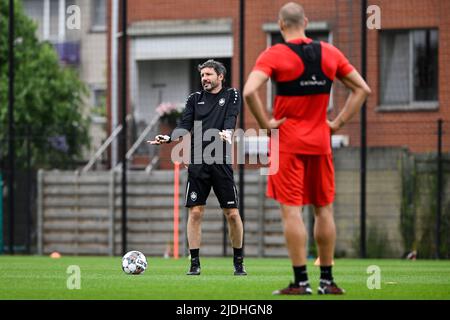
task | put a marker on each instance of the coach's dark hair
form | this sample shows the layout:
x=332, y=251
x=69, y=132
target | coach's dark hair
x=216, y=65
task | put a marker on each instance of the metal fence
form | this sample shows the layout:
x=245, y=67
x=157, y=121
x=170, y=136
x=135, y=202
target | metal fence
x=80, y=213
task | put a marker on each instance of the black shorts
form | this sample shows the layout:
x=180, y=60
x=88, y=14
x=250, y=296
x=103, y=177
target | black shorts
x=201, y=177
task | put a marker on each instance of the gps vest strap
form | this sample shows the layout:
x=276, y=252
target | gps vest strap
x=312, y=80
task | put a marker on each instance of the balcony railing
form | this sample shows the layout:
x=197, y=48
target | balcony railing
x=68, y=52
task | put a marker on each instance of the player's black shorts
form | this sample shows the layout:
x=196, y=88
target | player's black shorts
x=201, y=177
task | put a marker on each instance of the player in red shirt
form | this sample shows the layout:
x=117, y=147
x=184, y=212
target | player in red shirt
x=303, y=71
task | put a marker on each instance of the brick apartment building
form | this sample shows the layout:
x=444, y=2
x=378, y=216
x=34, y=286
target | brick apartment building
x=407, y=59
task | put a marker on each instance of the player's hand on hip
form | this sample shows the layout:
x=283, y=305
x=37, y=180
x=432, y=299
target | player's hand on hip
x=334, y=126
x=160, y=139
x=275, y=124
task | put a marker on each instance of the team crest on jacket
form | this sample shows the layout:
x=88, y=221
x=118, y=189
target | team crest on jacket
x=193, y=196
x=221, y=102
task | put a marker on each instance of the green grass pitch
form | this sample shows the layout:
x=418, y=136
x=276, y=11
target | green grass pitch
x=40, y=277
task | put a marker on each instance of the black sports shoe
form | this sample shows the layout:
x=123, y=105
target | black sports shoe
x=329, y=287
x=195, y=267
x=301, y=288
x=239, y=269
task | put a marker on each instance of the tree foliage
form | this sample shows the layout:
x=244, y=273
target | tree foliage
x=48, y=98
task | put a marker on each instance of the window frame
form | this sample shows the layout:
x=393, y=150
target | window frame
x=95, y=89
x=95, y=26
x=412, y=105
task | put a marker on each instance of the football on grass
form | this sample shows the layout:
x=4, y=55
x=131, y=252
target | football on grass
x=134, y=262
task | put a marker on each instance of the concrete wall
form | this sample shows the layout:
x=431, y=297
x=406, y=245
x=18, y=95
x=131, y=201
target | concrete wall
x=383, y=202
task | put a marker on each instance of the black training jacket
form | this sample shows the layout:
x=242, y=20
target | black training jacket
x=213, y=111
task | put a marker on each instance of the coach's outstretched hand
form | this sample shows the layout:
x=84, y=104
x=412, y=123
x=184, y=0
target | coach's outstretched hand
x=160, y=139
x=225, y=135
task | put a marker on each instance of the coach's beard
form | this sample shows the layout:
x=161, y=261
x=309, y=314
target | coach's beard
x=209, y=86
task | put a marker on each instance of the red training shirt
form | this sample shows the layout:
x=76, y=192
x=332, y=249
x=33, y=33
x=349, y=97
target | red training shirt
x=305, y=131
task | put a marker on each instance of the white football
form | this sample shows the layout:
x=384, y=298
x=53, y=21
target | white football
x=134, y=262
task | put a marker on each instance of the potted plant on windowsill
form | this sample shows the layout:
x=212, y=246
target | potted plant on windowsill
x=169, y=113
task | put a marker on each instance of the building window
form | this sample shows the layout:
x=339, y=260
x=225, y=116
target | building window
x=98, y=19
x=54, y=20
x=409, y=69
x=34, y=10
x=98, y=102
x=46, y=14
